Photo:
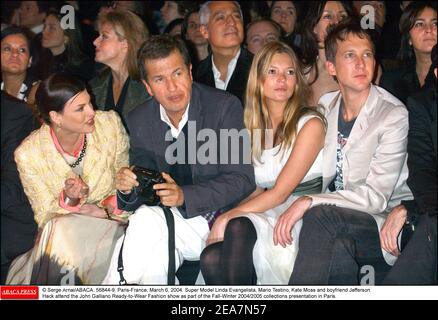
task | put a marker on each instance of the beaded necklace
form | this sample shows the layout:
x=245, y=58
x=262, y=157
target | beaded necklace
x=81, y=155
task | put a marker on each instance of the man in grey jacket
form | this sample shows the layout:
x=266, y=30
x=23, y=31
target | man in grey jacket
x=364, y=172
x=169, y=134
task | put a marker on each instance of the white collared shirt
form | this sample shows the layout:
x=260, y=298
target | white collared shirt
x=165, y=118
x=219, y=84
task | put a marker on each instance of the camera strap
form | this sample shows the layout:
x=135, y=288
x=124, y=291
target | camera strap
x=171, y=244
x=120, y=267
x=171, y=249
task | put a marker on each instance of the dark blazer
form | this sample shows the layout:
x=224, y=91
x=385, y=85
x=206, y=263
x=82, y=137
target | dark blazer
x=135, y=96
x=417, y=265
x=18, y=227
x=403, y=82
x=237, y=83
x=422, y=149
x=215, y=186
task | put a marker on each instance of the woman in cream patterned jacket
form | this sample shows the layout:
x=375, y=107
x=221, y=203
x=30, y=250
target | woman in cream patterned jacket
x=67, y=169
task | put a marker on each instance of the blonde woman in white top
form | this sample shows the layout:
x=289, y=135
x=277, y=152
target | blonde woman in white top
x=287, y=138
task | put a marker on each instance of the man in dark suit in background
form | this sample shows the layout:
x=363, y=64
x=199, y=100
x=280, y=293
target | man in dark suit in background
x=227, y=67
x=18, y=227
x=417, y=263
x=196, y=191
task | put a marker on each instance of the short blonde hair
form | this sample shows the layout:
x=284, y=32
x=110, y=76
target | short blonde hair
x=127, y=25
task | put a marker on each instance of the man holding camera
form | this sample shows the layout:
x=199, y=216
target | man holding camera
x=196, y=193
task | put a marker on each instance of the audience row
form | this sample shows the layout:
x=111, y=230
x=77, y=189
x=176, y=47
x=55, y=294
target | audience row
x=325, y=190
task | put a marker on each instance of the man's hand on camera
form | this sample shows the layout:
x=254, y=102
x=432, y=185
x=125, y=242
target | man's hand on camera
x=170, y=193
x=126, y=180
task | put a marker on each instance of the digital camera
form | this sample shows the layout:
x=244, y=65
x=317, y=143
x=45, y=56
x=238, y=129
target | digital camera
x=147, y=178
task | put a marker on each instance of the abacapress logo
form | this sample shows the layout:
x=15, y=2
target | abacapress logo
x=19, y=292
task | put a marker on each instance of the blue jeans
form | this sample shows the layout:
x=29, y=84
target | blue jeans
x=338, y=246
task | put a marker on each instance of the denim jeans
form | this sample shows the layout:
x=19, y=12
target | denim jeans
x=338, y=246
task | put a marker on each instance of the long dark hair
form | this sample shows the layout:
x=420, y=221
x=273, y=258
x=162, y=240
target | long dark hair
x=298, y=11
x=54, y=92
x=309, y=42
x=407, y=21
x=73, y=48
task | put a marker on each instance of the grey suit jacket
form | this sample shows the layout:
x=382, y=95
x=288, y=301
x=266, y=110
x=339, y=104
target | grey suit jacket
x=374, y=167
x=215, y=186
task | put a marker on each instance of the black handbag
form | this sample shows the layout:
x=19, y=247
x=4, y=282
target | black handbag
x=147, y=179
